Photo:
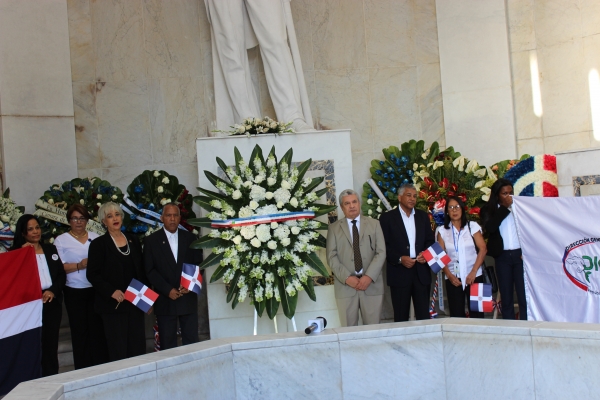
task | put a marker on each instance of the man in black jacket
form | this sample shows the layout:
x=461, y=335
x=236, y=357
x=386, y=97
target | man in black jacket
x=407, y=234
x=165, y=252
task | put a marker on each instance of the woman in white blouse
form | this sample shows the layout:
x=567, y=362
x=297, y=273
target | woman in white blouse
x=458, y=238
x=52, y=279
x=87, y=329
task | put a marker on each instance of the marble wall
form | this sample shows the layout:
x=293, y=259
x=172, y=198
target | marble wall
x=142, y=79
x=564, y=35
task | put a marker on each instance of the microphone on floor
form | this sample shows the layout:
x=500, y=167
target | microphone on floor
x=316, y=325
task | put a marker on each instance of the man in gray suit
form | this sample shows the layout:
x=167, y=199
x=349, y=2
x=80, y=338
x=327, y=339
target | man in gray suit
x=356, y=254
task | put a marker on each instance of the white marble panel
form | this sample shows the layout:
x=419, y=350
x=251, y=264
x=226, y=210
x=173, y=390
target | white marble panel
x=417, y=360
x=331, y=315
x=590, y=17
x=118, y=32
x=491, y=365
x=282, y=340
x=303, y=29
x=208, y=378
x=425, y=32
x=361, y=162
x=36, y=391
x=571, y=141
x=189, y=353
x=494, y=326
x=395, y=105
x=473, y=42
x=171, y=32
x=124, y=122
x=89, y=173
x=285, y=375
x=521, y=27
x=471, y=115
x=338, y=34
x=566, y=329
x=389, y=330
x=576, y=163
x=430, y=104
x=35, y=62
x=344, y=103
x=565, y=191
x=42, y=144
x=388, y=25
x=530, y=146
x=80, y=41
x=142, y=386
x=557, y=21
x=565, y=96
x=177, y=118
x=528, y=124
x=565, y=368
x=86, y=125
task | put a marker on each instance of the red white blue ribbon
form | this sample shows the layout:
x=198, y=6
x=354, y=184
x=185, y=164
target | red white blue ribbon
x=6, y=236
x=262, y=219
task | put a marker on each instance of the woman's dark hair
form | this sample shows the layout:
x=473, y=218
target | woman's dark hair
x=463, y=216
x=21, y=231
x=492, y=204
x=78, y=208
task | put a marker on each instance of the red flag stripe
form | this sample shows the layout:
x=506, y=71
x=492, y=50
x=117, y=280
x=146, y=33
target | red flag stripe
x=18, y=269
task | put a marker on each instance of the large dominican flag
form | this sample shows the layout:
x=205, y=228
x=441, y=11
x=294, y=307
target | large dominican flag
x=20, y=319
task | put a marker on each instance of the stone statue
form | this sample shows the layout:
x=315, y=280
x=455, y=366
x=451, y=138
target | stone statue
x=238, y=25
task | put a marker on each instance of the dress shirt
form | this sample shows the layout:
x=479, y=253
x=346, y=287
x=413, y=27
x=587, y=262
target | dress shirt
x=173, y=242
x=411, y=231
x=350, y=224
x=508, y=231
x=71, y=250
x=44, y=272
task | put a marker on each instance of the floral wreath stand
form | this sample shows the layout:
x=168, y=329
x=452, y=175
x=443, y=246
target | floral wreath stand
x=293, y=319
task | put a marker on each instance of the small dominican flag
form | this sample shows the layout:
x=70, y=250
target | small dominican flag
x=140, y=295
x=481, y=297
x=191, y=279
x=436, y=257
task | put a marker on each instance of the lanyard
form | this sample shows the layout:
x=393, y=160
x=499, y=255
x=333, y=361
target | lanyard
x=456, y=241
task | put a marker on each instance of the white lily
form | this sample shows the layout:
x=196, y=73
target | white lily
x=471, y=166
x=491, y=174
x=460, y=163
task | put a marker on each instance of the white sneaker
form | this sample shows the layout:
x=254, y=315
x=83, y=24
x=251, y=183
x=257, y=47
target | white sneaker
x=299, y=125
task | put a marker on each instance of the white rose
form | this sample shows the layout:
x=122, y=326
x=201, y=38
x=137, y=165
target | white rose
x=255, y=242
x=13, y=228
x=269, y=195
x=237, y=239
x=272, y=244
x=99, y=204
x=370, y=212
x=285, y=242
x=114, y=197
x=165, y=180
x=163, y=202
x=195, y=231
x=294, y=202
x=5, y=218
x=241, y=129
x=51, y=240
x=81, y=202
x=253, y=205
x=160, y=189
x=274, y=225
x=295, y=230
x=259, y=178
x=236, y=194
x=370, y=201
x=378, y=210
x=156, y=174
x=285, y=185
x=50, y=201
x=271, y=181
x=280, y=205
x=99, y=196
x=247, y=184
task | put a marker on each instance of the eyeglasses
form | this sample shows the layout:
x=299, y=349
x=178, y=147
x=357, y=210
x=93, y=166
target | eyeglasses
x=81, y=219
x=456, y=207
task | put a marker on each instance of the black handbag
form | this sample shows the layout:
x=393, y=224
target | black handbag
x=488, y=272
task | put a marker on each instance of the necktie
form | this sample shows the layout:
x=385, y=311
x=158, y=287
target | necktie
x=356, y=247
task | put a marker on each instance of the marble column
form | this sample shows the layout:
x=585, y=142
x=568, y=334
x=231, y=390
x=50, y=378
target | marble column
x=36, y=99
x=476, y=79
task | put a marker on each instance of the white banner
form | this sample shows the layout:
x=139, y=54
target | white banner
x=560, y=240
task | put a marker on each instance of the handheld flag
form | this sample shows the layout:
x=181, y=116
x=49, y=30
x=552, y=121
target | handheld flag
x=140, y=295
x=436, y=257
x=191, y=279
x=481, y=297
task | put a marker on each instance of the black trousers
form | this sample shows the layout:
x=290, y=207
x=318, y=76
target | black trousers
x=401, y=300
x=509, y=269
x=51, y=316
x=167, y=329
x=125, y=333
x=87, y=329
x=457, y=297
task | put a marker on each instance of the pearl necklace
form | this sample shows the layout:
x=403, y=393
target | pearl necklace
x=126, y=252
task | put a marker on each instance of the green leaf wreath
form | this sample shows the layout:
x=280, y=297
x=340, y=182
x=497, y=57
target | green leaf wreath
x=267, y=262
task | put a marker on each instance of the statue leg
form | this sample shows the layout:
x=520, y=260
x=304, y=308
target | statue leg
x=227, y=20
x=268, y=23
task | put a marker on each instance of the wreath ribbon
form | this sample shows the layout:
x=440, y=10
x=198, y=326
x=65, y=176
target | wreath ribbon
x=262, y=219
x=143, y=211
x=48, y=211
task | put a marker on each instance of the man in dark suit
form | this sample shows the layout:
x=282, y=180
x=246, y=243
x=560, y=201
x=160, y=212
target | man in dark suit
x=407, y=234
x=165, y=252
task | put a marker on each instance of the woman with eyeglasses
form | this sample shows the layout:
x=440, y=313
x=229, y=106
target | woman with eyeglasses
x=114, y=259
x=87, y=331
x=52, y=279
x=458, y=237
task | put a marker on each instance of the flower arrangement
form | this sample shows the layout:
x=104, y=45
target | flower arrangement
x=9, y=214
x=401, y=165
x=256, y=126
x=502, y=167
x=264, y=235
x=145, y=198
x=535, y=176
x=89, y=192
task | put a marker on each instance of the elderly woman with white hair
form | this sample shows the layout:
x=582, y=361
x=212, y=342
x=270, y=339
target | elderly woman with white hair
x=114, y=259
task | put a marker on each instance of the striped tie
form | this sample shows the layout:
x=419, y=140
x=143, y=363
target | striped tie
x=357, y=258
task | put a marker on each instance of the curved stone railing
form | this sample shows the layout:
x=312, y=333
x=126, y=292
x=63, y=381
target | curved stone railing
x=437, y=359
